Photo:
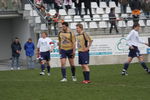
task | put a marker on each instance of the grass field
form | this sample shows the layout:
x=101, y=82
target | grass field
x=107, y=84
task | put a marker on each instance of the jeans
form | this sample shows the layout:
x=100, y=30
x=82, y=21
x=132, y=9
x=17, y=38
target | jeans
x=15, y=62
x=124, y=9
x=30, y=62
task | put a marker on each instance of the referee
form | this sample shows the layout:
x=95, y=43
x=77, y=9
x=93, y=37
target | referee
x=133, y=42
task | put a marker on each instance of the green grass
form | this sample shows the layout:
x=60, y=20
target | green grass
x=107, y=84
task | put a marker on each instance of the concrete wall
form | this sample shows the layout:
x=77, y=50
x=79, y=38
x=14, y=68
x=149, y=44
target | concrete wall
x=9, y=29
x=5, y=38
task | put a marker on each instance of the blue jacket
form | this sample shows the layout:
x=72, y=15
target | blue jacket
x=29, y=48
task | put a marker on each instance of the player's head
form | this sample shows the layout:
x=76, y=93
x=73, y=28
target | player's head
x=112, y=10
x=16, y=40
x=29, y=40
x=44, y=34
x=65, y=26
x=136, y=26
x=79, y=28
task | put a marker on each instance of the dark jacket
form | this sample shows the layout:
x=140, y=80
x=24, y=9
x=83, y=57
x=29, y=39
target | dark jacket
x=29, y=48
x=146, y=6
x=48, y=1
x=112, y=18
x=135, y=4
x=14, y=48
x=123, y=2
x=78, y=4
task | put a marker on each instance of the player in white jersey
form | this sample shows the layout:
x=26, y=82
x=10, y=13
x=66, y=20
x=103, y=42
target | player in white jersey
x=133, y=41
x=44, y=48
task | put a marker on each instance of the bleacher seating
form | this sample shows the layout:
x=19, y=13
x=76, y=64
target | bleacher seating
x=100, y=19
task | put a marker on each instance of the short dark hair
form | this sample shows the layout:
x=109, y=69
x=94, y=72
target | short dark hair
x=136, y=25
x=65, y=23
x=30, y=39
x=80, y=26
x=16, y=38
x=112, y=9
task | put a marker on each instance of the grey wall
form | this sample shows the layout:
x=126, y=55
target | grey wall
x=9, y=29
x=5, y=39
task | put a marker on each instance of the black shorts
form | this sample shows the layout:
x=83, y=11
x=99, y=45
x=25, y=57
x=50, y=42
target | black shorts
x=134, y=52
x=45, y=55
x=66, y=54
x=84, y=57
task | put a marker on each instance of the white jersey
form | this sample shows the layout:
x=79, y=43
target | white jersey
x=133, y=38
x=44, y=44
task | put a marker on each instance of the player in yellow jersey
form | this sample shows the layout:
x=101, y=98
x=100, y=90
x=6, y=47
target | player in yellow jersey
x=84, y=42
x=67, y=44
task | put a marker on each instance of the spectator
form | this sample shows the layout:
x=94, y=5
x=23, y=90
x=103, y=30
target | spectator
x=78, y=4
x=107, y=2
x=87, y=4
x=67, y=4
x=29, y=48
x=98, y=3
x=16, y=50
x=38, y=3
x=16, y=4
x=50, y=4
x=116, y=2
x=4, y=4
x=124, y=4
x=112, y=18
x=135, y=7
x=43, y=11
x=58, y=5
x=146, y=8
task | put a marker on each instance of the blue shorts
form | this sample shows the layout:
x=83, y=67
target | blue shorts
x=45, y=55
x=84, y=57
x=66, y=54
x=134, y=52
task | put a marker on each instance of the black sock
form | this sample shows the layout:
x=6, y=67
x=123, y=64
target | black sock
x=144, y=66
x=48, y=69
x=73, y=70
x=88, y=75
x=84, y=75
x=126, y=65
x=42, y=67
x=63, y=71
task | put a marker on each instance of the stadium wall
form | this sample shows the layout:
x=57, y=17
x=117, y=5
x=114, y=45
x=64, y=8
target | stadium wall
x=106, y=50
x=11, y=28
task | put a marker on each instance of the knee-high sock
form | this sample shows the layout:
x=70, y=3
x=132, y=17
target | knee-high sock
x=48, y=69
x=144, y=65
x=84, y=75
x=63, y=71
x=126, y=65
x=42, y=67
x=73, y=70
x=87, y=75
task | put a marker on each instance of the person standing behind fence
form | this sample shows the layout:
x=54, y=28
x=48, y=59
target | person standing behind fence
x=16, y=50
x=78, y=8
x=87, y=4
x=58, y=5
x=135, y=7
x=29, y=48
x=68, y=4
x=124, y=4
x=112, y=18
